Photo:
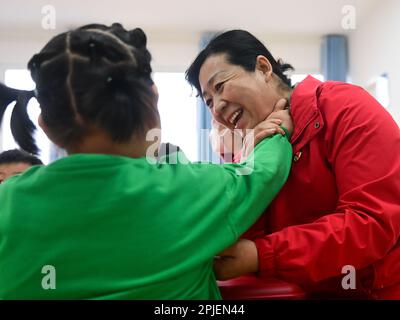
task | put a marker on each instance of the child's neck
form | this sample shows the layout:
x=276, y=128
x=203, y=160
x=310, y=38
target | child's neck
x=101, y=143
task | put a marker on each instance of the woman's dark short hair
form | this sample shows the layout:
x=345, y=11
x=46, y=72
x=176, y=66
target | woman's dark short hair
x=242, y=49
x=95, y=74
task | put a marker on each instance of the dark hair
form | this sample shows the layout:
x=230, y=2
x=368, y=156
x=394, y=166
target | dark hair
x=18, y=156
x=242, y=49
x=95, y=74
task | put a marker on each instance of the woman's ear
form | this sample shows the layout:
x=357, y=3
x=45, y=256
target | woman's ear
x=263, y=65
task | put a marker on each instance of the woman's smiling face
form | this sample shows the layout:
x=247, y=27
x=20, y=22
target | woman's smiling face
x=237, y=98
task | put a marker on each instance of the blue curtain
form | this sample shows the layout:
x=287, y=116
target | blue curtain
x=334, y=58
x=204, y=117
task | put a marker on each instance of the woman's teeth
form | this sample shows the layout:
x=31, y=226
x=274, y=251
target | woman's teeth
x=234, y=118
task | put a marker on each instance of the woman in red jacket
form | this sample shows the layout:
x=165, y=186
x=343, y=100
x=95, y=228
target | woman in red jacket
x=340, y=208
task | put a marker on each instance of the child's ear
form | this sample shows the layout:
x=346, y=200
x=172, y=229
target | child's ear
x=47, y=131
x=263, y=65
x=42, y=124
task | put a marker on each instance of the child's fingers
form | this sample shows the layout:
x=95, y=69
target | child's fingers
x=281, y=131
x=264, y=134
x=268, y=132
x=280, y=104
x=275, y=121
x=261, y=134
x=268, y=122
x=282, y=115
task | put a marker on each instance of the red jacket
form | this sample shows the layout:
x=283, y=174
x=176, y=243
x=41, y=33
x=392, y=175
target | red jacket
x=341, y=203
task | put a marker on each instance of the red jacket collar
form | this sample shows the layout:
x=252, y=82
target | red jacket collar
x=304, y=108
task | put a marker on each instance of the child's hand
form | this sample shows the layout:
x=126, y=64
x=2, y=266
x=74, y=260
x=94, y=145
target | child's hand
x=264, y=129
x=268, y=127
x=237, y=260
x=225, y=142
x=283, y=114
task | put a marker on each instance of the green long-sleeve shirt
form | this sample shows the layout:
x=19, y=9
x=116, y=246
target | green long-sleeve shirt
x=112, y=227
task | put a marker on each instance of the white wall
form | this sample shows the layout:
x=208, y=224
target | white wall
x=375, y=48
x=172, y=51
x=176, y=53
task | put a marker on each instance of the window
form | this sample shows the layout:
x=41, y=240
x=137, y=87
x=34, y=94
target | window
x=178, y=111
x=379, y=89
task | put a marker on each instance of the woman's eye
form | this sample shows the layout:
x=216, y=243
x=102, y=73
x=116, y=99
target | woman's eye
x=208, y=103
x=218, y=86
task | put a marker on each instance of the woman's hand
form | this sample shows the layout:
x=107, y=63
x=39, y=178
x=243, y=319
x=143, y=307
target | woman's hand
x=237, y=260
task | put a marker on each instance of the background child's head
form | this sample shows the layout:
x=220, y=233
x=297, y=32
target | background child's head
x=15, y=161
x=95, y=91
